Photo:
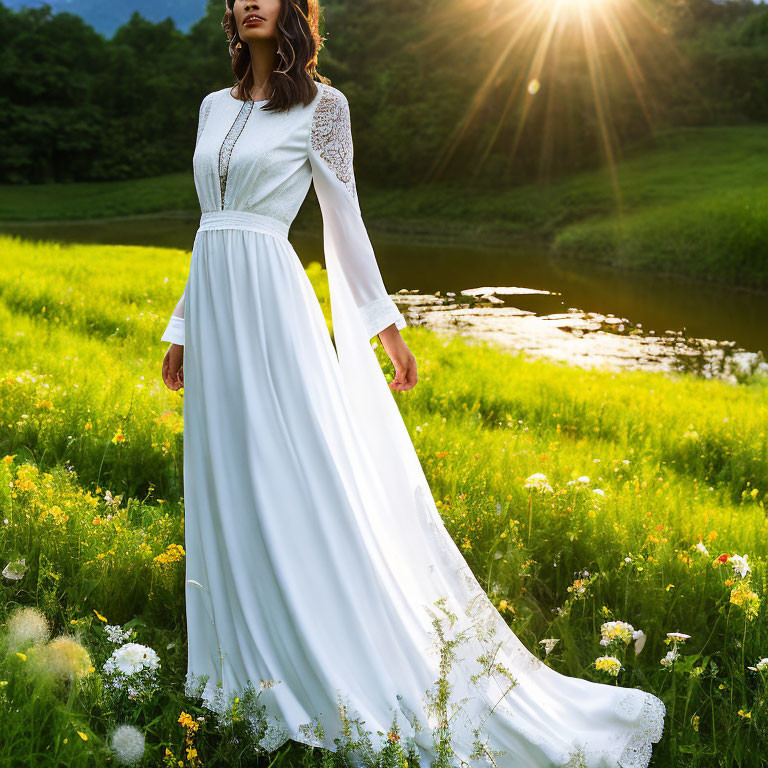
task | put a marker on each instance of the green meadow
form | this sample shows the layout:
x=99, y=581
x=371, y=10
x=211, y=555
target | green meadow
x=693, y=202
x=578, y=498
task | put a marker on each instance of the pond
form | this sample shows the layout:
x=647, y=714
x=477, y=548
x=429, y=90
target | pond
x=576, y=295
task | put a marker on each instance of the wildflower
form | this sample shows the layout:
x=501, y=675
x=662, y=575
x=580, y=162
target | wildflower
x=742, y=713
x=505, y=605
x=722, y=559
x=116, y=634
x=111, y=501
x=127, y=742
x=131, y=658
x=15, y=570
x=25, y=476
x=671, y=657
x=678, y=637
x=186, y=720
x=598, y=491
x=609, y=664
x=613, y=631
x=133, y=668
x=549, y=643
x=83, y=736
x=173, y=554
x=27, y=626
x=99, y=616
x=56, y=512
x=740, y=564
x=702, y=548
x=762, y=664
x=746, y=598
x=539, y=482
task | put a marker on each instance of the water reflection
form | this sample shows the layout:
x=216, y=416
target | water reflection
x=653, y=302
x=587, y=339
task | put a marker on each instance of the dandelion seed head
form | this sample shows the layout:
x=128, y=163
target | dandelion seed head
x=27, y=626
x=127, y=742
x=65, y=657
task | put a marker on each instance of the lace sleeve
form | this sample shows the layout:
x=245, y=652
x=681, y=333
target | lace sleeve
x=345, y=237
x=174, y=331
x=205, y=110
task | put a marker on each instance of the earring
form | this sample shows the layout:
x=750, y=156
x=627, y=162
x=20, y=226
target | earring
x=239, y=45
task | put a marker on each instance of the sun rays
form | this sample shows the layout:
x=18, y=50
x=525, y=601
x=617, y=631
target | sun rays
x=547, y=54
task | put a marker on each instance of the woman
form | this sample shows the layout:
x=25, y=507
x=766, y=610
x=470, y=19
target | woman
x=319, y=571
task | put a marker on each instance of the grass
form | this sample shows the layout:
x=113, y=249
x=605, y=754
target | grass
x=682, y=463
x=693, y=203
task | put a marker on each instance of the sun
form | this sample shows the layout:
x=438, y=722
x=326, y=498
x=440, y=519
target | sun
x=580, y=6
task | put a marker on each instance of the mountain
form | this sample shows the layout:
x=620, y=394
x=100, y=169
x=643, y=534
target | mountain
x=107, y=17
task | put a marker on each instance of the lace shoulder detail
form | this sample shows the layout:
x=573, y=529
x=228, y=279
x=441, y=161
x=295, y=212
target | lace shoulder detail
x=331, y=135
x=205, y=110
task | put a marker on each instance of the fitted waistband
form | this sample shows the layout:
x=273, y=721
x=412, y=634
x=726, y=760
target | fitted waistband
x=255, y=222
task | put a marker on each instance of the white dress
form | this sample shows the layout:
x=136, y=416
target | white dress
x=315, y=555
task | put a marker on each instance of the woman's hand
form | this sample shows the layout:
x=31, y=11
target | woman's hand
x=173, y=367
x=402, y=358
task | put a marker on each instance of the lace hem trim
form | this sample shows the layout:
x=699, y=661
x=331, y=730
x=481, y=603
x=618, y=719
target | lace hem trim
x=634, y=742
x=648, y=730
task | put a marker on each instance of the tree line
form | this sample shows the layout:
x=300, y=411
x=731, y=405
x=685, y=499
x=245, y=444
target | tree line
x=481, y=92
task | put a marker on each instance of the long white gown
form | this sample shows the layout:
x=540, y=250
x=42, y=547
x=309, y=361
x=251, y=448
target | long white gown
x=315, y=555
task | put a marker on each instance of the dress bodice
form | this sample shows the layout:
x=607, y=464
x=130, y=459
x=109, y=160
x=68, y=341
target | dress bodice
x=248, y=159
x=260, y=162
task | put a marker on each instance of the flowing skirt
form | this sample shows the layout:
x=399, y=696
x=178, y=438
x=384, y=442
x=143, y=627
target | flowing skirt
x=319, y=572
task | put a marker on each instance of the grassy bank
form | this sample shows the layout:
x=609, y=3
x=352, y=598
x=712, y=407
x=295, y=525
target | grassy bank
x=694, y=204
x=652, y=479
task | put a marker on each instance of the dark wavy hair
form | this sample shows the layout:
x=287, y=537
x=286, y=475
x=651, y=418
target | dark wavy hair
x=299, y=42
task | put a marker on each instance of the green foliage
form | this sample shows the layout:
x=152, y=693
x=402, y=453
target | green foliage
x=77, y=106
x=642, y=471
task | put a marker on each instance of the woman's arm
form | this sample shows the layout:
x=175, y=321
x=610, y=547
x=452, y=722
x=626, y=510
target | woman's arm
x=345, y=237
x=174, y=331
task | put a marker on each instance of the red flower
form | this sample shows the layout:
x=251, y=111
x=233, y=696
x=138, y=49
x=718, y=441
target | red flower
x=723, y=558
